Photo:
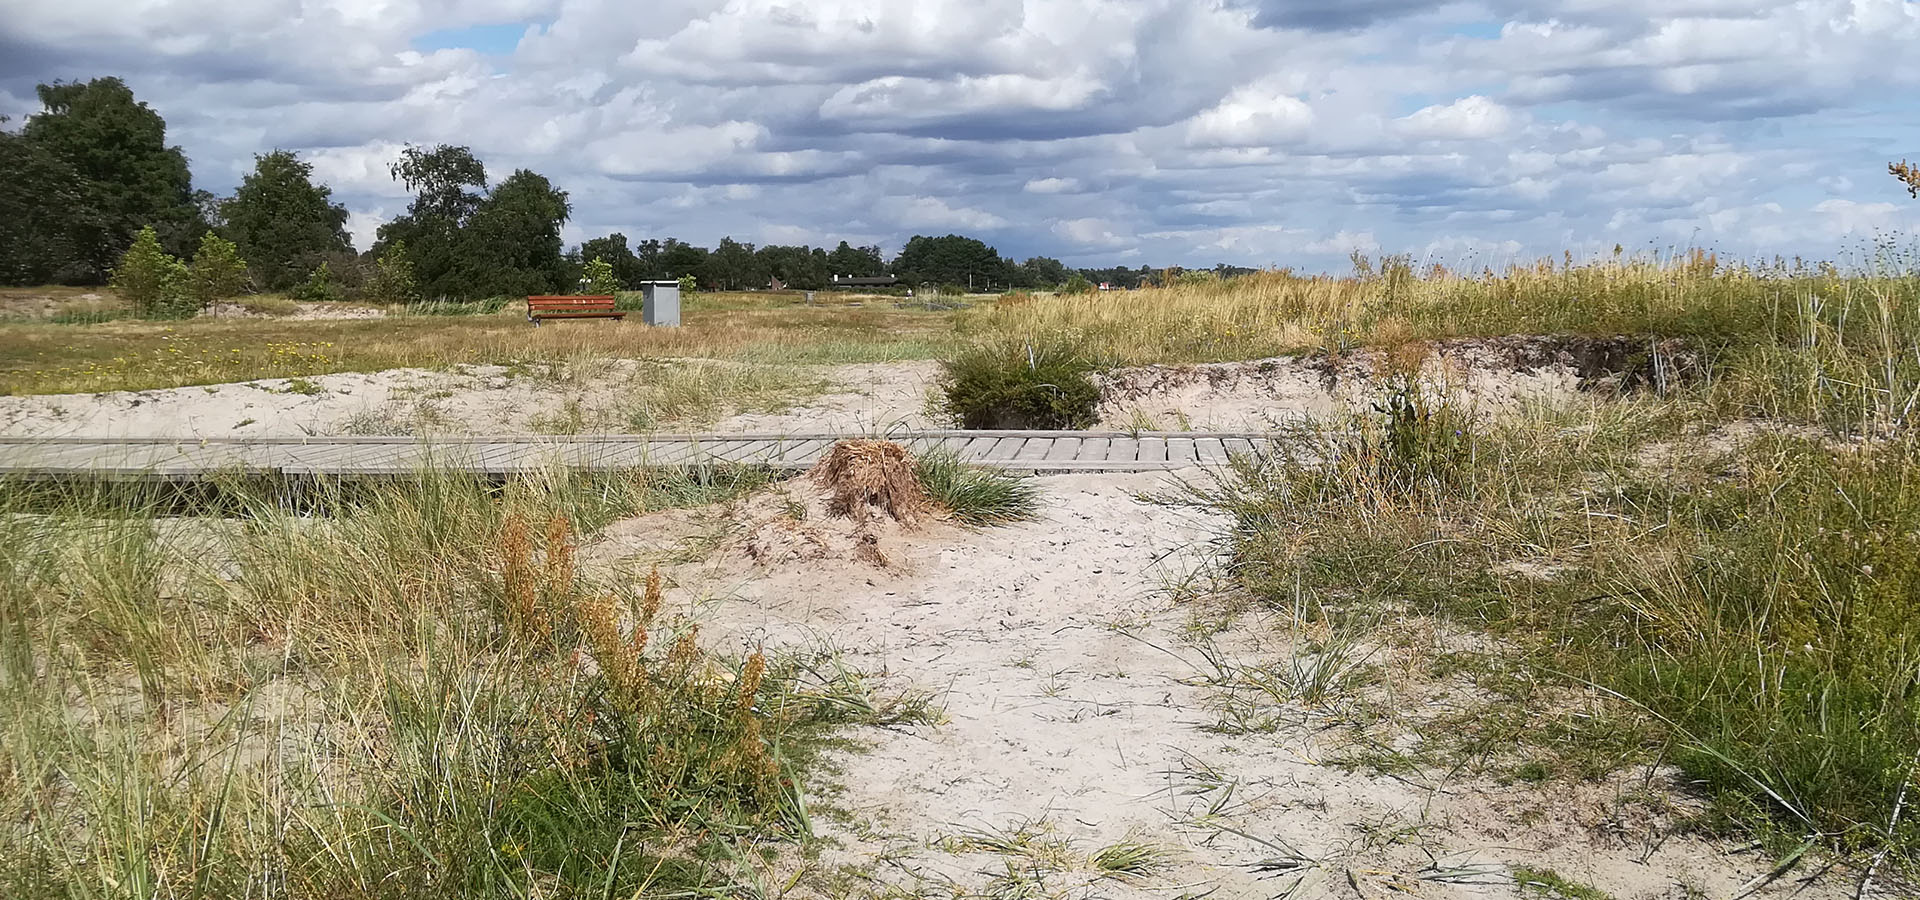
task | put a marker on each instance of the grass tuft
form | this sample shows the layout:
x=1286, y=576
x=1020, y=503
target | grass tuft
x=1129, y=859
x=975, y=495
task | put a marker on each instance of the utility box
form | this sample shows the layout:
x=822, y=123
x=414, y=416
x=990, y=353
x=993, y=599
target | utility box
x=660, y=303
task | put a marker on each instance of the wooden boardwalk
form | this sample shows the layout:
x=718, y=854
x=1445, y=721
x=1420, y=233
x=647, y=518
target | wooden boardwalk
x=194, y=458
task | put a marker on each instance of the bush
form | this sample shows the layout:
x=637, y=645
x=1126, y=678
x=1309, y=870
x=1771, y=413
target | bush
x=319, y=287
x=393, y=280
x=153, y=283
x=1078, y=284
x=1023, y=385
x=688, y=285
x=599, y=278
x=217, y=272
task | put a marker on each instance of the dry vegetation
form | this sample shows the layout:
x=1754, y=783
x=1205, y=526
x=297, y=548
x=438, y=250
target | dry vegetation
x=47, y=357
x=401, y=690
x=408, y=691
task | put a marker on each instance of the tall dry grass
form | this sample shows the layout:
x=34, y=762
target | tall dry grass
x=1745, y=607
x=40, y=357
x=409, y=689
x=1805, y=342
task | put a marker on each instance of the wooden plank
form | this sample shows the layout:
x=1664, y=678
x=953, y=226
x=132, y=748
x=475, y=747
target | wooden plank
x=1064, y=448
x=978, y=448
x=954, y=443
x=1005, y=448
x=745, y=451
x=359, y=455
x=1035, y=448
x=804, y=452
x=52, y=457
x=673, y=453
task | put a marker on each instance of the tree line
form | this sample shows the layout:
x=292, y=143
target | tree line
x=89, y=185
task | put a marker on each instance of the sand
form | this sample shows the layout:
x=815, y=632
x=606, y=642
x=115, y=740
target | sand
x=1076, y=713
x=1487, y=376
x=463, y=400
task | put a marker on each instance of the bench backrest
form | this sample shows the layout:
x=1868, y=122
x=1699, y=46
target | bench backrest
x=577, y=303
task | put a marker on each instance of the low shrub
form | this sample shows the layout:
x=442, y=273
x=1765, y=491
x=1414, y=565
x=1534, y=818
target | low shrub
x=217, y=271
x=153, y=283
x=320, y=287
x=392, y=280
x=1044, y=384
x=599, y=278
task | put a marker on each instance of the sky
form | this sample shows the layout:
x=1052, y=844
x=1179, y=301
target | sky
x=1102, y=132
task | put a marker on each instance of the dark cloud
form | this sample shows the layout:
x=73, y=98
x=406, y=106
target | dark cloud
x=1332, y=15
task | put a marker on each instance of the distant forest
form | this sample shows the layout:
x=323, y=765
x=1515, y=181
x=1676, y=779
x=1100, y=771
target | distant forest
x=86, y=175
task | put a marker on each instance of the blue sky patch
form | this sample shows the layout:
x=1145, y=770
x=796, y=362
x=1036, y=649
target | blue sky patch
x=493, y=40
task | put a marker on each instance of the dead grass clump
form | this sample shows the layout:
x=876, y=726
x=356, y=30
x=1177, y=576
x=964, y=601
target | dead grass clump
x=862, y=476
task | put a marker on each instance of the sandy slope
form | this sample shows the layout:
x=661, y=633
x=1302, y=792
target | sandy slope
x=465, y=400
x=1075, y=710
x=862, y=398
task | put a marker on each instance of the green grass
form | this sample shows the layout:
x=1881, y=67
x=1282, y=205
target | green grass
x=417, y=692
x=1021, y=384
x=1547, y=882
x=974, y=495
x=1747, y=614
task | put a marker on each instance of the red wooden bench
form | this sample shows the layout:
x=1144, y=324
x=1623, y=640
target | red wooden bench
x=592, y=306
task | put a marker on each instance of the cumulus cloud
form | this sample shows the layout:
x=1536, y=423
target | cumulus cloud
x=1052, y=186
x=934, y=213
x=1255, y=132
x=1251, y=117
x=1468, y=118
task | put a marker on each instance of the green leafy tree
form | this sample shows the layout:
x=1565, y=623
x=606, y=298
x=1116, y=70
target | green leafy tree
x=682, y=260
x=152, y=282
x=511, y=244
x=732, y=266
x=848, y=261
x=628, y=270
x=128, y=178
x=951, y=259
x=445, y=181
x=392, y=280
x=320, y=286
x=282, y=221
x=1041, y=271
x=599, y=277
x=217, y=272
x=44, y=216
x=802, y=268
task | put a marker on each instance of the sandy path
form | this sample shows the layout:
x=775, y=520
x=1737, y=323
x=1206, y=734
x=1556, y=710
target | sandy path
x=1074, y=715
